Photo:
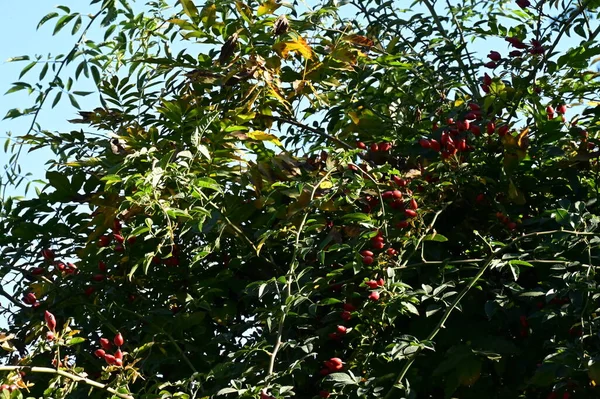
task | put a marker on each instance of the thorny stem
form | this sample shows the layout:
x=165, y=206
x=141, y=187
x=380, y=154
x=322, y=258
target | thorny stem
x=289, y=279
x=465, y=290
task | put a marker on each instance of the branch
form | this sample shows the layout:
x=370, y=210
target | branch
x=74, y=377
x=464, y=292
x=318, y=132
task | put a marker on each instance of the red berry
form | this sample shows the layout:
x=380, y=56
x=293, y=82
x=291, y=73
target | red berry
x=487, y=79
x=119, y=248
x=399, y=181
x=361, y=145
x=474, y=107
x=105, y=344
x=118, y=362
x=349, y=307
x=100, y=353
x=561, y=109
x=413, y=204
x=50, y=320
x=346, y=315
x=29, y=298
x=110, y=359
x=380, y=282
x=402, y=224
x=490, y=64
x=118, y=340
x=341, y=329
x=324, y=371
x=104, y=241
x=480, y=197
x=409, y=213
x=397, y=193
x=392, y=252
x=494, y=56
x=334, y=336
x=131, y=240
x=5, y=387
x=384, y=147
x=116, y=226
x=48, y=254
x=98, y=277
x=523, y=3
x=324, y=394
x=374, y=147
x=511, y=226
x=334, y=364
x=435, y=146
x=102, y=266
x=89, y=291
x=491, y=128
x=50, y=335
x=119, y=354
x=366, y=252
x=424, y=143
x=119, y=238
x=374, y=296
x=368, y=260
x=371, y=284
x=516, y=43
x=37, y=271
x=550, y=110
x=502, y=130
x=378, y=244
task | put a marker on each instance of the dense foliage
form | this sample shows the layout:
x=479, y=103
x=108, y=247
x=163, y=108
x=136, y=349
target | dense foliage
x=311, y=200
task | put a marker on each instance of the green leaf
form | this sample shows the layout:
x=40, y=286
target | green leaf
x=27, y=69
x=207, y=182
x=516, y=262
x=436, y=237
x=46, y=18
x=340, y=379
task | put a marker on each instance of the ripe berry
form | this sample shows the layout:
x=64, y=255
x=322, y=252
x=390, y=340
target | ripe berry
x=550, y=110
x=424, y=143
x=511, y=226
x=371, y=284
x=118, y=362
x=523, y=3
x=399, y=181
x=131, y=240
x=409, y=213
x=48, y=254
x=349, y=307
x=435, y=146
x=374, y=147
x=494, y=56
x=397, y=194
x=324, y=394
x=118, y=340
x=119, y=248
x=374, y=296
x=474, y=107
x=368, y=260
x=105, y=344
x=346, y=315
x=366, y=252
x=102, y=266
x=37, y=271
x=100, y=353
x=89, y=291
x=402, y=224
x=29, y=298
x=50, y=335
x=413, y=204
x=377, y=244
x=361, y=145
x=491, y=128
x=116, y=226
x=334, y=364
x=502, y=130
x=380, y=282
x=104, y=241
x=561, y=109
x=110, y=359
x=119, y=354
x=341, y=329
x=392, y=252
x=384, y=147
x=490, y=64
x=50, y=320
x=480, y=197
x=98, y=277
x=119, y=238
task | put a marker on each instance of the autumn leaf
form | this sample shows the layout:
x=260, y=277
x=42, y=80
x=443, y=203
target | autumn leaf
x=262, y=136
x=298, y=45
x=268, y=7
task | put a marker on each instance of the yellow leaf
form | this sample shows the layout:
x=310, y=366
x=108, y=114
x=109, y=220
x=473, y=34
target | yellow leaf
x=326, y=184
x=359, y=40
x=245, y=11
x=268, y=7
x=189, y=8
x=262, y=136
x=298, y=45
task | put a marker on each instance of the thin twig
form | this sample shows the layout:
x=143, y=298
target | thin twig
x=62, y=373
